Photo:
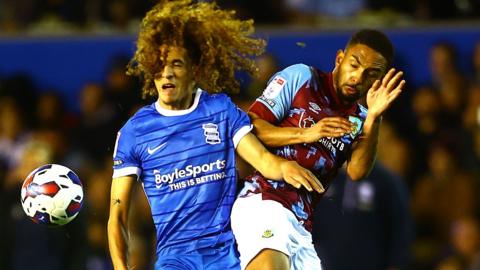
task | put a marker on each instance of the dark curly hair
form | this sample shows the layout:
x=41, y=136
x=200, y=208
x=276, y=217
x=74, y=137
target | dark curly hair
x=216, y=42
x=376, y=40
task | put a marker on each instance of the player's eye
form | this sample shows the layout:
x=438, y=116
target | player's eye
x=177, y=64
x=373, y=74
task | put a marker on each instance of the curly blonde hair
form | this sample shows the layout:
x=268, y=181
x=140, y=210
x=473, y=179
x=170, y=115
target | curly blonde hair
x=217, y=43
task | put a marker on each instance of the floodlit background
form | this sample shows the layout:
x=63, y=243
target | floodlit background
x=64, y=95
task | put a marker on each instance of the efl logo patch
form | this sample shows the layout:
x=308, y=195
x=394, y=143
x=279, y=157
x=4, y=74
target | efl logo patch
x=267, y=234
x=117, y=162
x=270, y=102
x=212, y=136
x=274, y=87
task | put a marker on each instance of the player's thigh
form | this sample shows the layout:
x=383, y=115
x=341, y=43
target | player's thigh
x=260, y=225
x=269, y=259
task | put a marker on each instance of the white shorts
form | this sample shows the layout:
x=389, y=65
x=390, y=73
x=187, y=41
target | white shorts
x=265, y=224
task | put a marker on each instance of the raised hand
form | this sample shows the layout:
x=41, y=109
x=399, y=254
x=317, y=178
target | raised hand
x=382, y=94
x=328, y=127
x=298, y=177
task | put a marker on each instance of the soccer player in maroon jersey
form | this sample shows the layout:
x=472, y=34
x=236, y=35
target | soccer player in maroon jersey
x=313, y=117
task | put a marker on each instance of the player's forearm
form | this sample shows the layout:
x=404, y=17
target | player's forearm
x=363, y=156
x=253, y=152
x=117, y=242
x=273, y=136
x=271, y=166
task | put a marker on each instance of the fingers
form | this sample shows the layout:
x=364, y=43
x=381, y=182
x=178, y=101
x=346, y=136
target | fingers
x=396, y=92
x=394, y=81
x=298, y=177
x=314, y=182
x=305, y=178
x=299, y=182
x=337, y=120
x=391, y=80
x=401, y=85
x=292, y=181
x=303, y=182
x=334, y=126
x=388, y=77
x=334, y=132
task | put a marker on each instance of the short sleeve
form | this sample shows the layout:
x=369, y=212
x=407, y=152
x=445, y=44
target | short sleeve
x=275, y=102
x=125, y=161
x=239, y=122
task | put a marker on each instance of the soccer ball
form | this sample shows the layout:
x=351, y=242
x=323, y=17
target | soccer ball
x=52, y=194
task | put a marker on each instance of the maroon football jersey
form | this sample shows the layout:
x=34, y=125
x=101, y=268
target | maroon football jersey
x=300, y=96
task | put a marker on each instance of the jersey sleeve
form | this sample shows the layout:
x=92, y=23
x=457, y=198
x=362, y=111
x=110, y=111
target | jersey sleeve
x=275, y=102
x=239, y=122
x=125, y=161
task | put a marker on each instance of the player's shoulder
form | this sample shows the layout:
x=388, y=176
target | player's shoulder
x=216, y=99
x=298, y=68
x=294, y=75
x=140, y=116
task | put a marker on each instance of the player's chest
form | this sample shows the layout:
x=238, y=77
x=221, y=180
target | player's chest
x=189, y=136
x=308, y=114
x=309, y=108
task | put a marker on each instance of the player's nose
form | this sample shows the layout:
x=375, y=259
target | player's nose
x=356, y=80
x=356, y=77
x=167, y=72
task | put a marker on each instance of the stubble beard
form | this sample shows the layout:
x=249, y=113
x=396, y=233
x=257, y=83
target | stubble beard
x=342, y=97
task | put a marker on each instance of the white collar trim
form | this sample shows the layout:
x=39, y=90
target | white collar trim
x=167, y=112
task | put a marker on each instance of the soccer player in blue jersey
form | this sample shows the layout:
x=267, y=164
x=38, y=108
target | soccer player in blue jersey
x=312, y=117
x=182, y=147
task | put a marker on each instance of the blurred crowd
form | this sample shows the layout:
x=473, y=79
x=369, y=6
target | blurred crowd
x=122, y=16
x=36, y=128
x=430, y=139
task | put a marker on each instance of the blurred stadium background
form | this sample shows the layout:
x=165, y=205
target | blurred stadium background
x=64, y=94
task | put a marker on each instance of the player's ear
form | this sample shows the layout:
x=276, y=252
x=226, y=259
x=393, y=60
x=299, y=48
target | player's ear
x=339, y=57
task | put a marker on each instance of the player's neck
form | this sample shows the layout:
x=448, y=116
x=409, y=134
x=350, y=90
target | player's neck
x=182, y=104
x=346, y=103
x=341, y=101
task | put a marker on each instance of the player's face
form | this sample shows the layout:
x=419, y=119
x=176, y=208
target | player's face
x=175, y=82
x=356, y=70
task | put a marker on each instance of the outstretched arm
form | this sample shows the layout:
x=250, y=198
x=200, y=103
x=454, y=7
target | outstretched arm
x=117, y=222
x=274, y=167
x=274, y=136
x=379, y=98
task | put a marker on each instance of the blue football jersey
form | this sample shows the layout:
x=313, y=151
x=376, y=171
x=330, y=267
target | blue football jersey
x=186, y=162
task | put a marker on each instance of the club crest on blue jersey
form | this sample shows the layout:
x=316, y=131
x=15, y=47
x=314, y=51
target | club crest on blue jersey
x=357, y=125
x=212, y=136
